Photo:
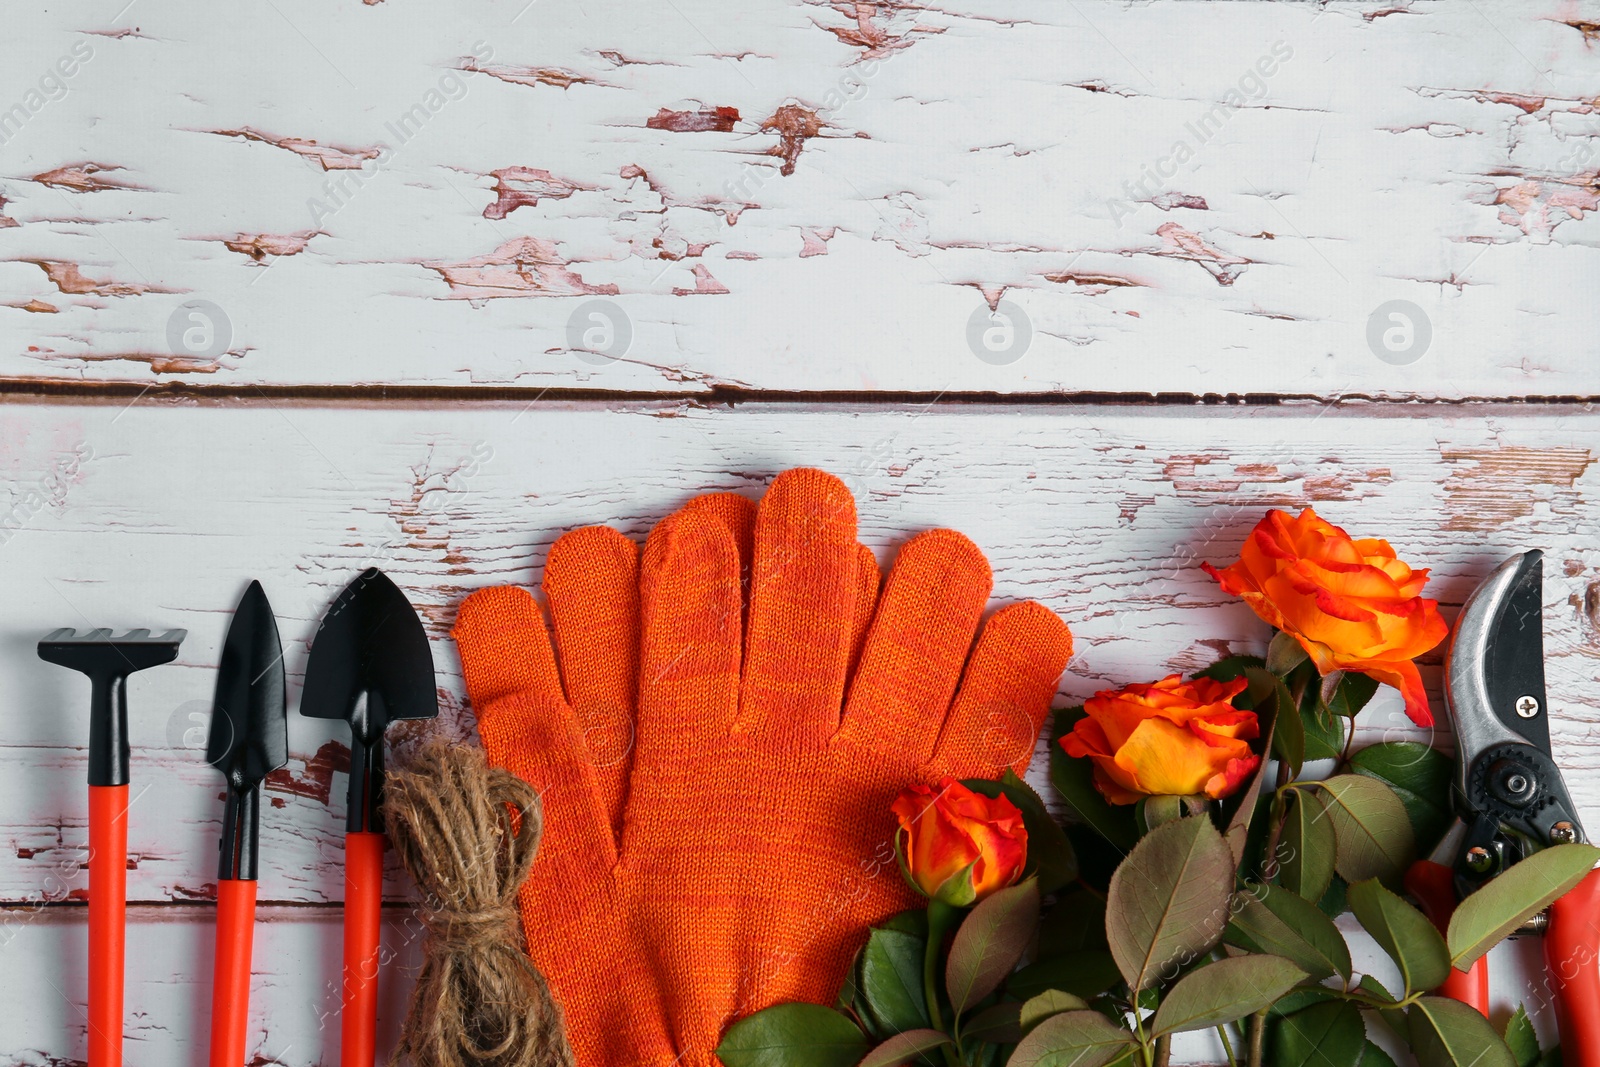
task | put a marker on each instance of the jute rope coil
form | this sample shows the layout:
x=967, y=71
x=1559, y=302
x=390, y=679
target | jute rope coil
x=467, y=833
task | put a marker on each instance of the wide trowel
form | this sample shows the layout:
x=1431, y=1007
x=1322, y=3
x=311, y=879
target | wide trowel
x=249, y=740
x=370, y=665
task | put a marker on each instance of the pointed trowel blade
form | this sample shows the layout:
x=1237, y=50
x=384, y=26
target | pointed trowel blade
x=250, y=718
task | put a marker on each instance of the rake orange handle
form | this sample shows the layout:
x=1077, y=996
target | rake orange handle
x=108, y=895
x=1432, y=884
x=1572, y=956
x=363, y=897
x=230, y=988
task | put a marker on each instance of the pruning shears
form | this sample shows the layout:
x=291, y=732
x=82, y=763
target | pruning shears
x=1511, y=798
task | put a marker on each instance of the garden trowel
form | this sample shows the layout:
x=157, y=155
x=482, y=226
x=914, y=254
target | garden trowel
x=249, y=739
x=370, y=665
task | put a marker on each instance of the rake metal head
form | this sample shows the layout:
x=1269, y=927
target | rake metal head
x=108, y=661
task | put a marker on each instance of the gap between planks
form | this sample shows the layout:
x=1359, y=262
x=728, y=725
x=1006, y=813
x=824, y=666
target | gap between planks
x=26, y=390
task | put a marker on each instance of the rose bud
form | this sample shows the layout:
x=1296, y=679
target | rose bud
x=958, y=846
x=1351, y=604
x=1170, y=737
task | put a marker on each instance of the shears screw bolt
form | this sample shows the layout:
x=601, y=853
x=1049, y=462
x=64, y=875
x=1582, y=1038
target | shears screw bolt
x=1517, y=783
x=1478, y=859
x=1563, y=833
x=1527, y=706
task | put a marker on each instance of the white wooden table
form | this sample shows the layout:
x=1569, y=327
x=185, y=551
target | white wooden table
x=291, y=289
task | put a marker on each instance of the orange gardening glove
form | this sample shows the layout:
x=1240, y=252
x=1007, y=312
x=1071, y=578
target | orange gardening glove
x=736, y=859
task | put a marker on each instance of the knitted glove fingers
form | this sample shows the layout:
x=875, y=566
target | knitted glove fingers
x=591, y=582
x=691, y=607
x=918, y=642
x=738, y=514
x=802, y=610
x=528, y=728
x=1005, y=693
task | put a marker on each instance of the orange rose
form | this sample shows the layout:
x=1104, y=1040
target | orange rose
x=956, y=845
x=1170, y=737
x=1351, y=604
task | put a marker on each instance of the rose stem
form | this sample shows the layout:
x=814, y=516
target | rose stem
x=941, y=917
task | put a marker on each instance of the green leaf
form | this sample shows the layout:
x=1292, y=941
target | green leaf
x=1447, y=1033
x=1074, y=781
x=1308, y=846
x=1333, y=902
x=1393, y=1018
x=848, y=990
x=999, y=1024
x=1284, y=654
x=913, y=921
x=1349, y=693
x=793, y=1035
x=1420, y=777
x=1330, y=1034
x=1168, y=901
x=1268, y=694
x=1324, y=730
x=1050, y=1002
x=1228, y=668
x=905, y=1048
x=1273, y=919
x=1372, y=834
x=1521, y=1039
x=1489, y=916
x=1083, y=974
x=889, y=990
x=1077, y=922
x=1299, y=998
x=1050, y=854
x=1240, y=812
x=1376, y=1057
x=1404, y=933
x=1072, y=1039
x=989, y=942
x=1223, y=991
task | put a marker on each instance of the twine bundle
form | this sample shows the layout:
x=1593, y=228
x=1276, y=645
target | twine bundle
x=467, y=833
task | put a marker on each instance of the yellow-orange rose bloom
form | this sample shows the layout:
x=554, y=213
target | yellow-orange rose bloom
x=959, y=846
x=1351, y=604
x=1167, y=738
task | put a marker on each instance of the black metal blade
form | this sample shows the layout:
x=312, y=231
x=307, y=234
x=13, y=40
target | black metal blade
x=249, y=725
x=370, y=665
x=1513, y=794
x=250, y=717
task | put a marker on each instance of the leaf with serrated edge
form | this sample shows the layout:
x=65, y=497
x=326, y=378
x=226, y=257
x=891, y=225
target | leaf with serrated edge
x=1370, y=826
x=889, y=981
x=904, y=1048
x=1288, y=733
x=789, y=1035
x=1223, y=991
x=1168, y=901
x=1523, y=890
x=1307, y=865
x=1284, y=654
x=1447, y=1033
x=1275, y=920
x=1051, y=1002
x=1330, y=1034
x=1374, y=1056
x=1072, y=1039
x=1521, y=1039
x=989, y=942
x=1404, y=933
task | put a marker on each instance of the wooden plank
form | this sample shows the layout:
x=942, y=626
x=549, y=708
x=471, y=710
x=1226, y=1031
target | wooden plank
x=808, y=196
x=156, y=515
x=294, y=997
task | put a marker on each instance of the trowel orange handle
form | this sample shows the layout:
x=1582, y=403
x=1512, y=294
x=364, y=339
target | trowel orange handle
x=108, y=895
x=1572, y=957
x=1432, y=885
x=363, y=899
x=230, y=989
